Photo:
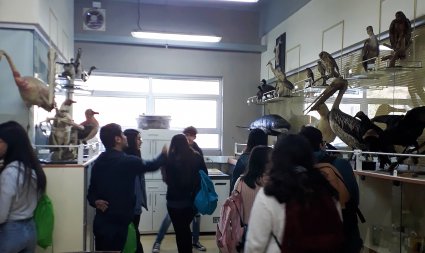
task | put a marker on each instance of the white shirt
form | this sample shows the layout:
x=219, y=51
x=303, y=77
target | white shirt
x=15, y=203
x=267, y=216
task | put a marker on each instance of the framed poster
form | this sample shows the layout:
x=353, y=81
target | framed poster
x=280, y=51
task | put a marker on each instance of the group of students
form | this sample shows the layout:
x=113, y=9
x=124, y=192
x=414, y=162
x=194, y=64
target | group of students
x=117, y=189
x=296, y=197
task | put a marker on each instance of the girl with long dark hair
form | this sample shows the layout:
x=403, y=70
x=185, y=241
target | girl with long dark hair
x=294, y=192
x=183, y=181
x=22, y=182
x=134, y=141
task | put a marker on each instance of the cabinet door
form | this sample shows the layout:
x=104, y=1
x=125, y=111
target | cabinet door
x=146, y=224
x=159, y=211
x=209, y=222
x=156, y=150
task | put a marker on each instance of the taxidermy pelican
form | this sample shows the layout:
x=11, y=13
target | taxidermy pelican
x=323, y=124
x=352, y=131
x=33, y=90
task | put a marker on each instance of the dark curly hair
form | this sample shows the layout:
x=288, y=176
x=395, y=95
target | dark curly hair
x=292, y=175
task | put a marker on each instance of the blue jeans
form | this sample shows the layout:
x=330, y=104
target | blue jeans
x=18, y=236
x=166, y=222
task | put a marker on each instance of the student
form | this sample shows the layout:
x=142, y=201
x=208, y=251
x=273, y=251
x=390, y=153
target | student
x=252, y=180
x=111, y=189
x=293, y=187
x=134, y=140
x=183, y=182
x=190, y=133
x=256, y=137
x=22, y=182
x=354, y=242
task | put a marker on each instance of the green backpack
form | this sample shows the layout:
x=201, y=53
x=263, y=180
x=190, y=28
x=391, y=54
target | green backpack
x=131, y=243
x=44, y=221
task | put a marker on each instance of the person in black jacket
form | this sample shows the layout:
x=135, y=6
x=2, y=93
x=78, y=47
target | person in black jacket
x=134, y=140
x=111, y=189
x=183, y=181
x=353, y=240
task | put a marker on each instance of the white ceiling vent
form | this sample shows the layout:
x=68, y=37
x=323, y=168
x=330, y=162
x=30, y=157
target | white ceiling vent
x=94, y=19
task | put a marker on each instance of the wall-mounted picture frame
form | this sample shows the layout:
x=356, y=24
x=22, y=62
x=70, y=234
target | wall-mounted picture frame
x=280, y=52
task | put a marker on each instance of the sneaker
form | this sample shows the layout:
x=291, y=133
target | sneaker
x=156, y=247
x=199, y=246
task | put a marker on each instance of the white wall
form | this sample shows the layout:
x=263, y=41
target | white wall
x=55, y=17
x=305, y=28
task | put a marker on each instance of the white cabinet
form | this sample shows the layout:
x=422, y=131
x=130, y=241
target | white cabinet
x=153, y=141
x=151, y=220
x=222, y=187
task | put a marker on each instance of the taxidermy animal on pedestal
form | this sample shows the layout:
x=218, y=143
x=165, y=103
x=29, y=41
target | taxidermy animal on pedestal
x=400, y=37
x=329, y=62
x=283, y=85
x=263, y=88
x=33, y=90
x=370, y=49
x=352, y=131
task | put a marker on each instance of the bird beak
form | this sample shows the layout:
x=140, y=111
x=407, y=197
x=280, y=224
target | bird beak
x=393, y=109
x=337, y=84
x=95, y=113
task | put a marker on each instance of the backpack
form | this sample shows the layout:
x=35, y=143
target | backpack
x=335, y=179
x=44, y=221
x=231, y=231
x=315, y=227
x=206, y=198
x=130, y=244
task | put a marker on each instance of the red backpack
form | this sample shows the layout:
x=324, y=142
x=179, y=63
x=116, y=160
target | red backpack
x=231, y=231
x=312, y=228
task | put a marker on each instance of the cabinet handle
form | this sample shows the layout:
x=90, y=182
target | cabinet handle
x=220, y=183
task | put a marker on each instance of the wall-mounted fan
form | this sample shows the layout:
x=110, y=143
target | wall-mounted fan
x=94, y=19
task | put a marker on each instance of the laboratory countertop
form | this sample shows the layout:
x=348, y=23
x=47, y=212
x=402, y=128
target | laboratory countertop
x=218, y=159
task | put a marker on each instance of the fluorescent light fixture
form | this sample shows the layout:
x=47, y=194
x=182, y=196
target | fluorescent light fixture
x=384, y=48
x=175, y=36
x=243, y=1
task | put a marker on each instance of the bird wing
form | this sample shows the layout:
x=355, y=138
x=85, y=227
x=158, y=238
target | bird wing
x=393, y=34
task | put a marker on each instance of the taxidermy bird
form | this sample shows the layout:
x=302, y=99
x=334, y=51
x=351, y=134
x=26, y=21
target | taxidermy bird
x=91, y=127
x=351, y=130
x=330, y=64
x=323, y=124
x=310, y=77
x=370, y=49
x=263, y=88
x=85, y=75
x=322, y=70
x=400, y=37
x=61, y=131
x=403, y=130
x=282, y=81
x=33, y=90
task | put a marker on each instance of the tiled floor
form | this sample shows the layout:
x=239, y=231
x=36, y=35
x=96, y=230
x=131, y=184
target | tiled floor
x=168, y=245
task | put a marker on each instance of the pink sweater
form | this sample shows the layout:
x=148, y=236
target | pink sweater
x=248, y=197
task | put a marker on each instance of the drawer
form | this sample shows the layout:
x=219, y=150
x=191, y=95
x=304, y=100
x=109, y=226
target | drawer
x=155, y=185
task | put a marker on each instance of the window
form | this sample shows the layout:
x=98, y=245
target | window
x=189, y=101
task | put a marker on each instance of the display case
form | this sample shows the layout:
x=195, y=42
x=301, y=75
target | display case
x=391, y=203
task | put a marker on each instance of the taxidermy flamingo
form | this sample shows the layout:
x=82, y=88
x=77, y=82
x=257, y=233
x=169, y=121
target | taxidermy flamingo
x=33, y=90
x=352, y=131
